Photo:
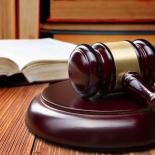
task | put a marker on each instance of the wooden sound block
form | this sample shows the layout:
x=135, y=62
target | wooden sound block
x=114, y=121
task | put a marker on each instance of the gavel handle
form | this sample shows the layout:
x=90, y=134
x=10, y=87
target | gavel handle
x=134, y=84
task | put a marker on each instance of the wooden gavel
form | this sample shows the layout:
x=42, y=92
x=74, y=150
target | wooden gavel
x=106, y=67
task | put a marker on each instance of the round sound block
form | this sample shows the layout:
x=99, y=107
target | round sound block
x=114, y=121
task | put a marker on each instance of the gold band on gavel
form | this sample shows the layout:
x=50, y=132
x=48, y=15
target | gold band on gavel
x=125, y=59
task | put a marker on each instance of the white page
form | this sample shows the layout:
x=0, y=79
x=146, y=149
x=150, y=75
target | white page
x=23, y=51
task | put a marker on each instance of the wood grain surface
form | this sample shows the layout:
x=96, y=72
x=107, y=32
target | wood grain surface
x=14, y=136
x=15, y=139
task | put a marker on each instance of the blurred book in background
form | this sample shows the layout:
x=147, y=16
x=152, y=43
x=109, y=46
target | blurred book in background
x=8, y=20
x=102, y=10
x=87, y=21
x=99, y=17
x=47, y=18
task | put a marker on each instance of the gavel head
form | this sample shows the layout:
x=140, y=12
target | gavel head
x=100, y=68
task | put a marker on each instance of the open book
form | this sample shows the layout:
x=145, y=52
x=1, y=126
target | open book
x=35, y=60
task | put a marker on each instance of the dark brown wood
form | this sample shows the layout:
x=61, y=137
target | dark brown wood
x=83, y=70
x=92, y=69
x=106, y=65
x=135, y=85
x=146, y=56
x=60, y=115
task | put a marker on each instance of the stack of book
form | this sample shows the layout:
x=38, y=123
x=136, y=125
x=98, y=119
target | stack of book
x=100, y=17
x=37, y=18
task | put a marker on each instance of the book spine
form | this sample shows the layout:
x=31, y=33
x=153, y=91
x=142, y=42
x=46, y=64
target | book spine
x=7, y=19
x=29, y=18
x=105, y=21
x=98, y=32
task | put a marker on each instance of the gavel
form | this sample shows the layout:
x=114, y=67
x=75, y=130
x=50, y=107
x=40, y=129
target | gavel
x=108, y=67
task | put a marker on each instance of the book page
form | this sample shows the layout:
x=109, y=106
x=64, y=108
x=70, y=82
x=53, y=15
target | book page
x=24, y=51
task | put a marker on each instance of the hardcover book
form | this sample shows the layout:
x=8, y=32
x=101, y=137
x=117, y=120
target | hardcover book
x=102, y=11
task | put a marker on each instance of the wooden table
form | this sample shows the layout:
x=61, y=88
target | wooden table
x=15, y=137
